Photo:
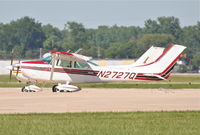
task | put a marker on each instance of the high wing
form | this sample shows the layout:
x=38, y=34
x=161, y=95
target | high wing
x=69, y=56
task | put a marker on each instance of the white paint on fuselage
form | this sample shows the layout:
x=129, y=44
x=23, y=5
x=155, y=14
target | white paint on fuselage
x=107, y=74
x=114, y=73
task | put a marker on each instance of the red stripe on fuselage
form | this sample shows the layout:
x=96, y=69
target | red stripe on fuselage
x=63, y=70
x=147, y=79
x=35, y=62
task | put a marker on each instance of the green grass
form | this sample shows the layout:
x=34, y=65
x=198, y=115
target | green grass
x=185, y=78
x=174, y=82
x=172, y=78
x=17, y=84
x=128, y=123
x=6, y=78
x=142, y=86
x=113, y=85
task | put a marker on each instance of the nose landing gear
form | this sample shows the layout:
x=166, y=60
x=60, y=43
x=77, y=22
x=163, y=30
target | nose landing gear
x=31, y=88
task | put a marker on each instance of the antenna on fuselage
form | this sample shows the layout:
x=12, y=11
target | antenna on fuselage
x=77, y=51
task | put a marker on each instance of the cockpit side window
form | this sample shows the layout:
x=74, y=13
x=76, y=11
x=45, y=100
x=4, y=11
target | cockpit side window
x=64, y=63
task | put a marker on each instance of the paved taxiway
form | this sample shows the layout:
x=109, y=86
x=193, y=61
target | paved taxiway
x=98, y=100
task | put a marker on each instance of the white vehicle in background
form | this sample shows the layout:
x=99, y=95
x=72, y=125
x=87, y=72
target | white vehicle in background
x=65, y=68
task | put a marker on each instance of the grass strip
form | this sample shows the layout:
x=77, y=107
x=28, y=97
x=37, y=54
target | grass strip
x=175, y=82
x=108, y=123
x=111, y=85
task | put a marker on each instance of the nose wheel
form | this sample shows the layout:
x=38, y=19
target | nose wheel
x=31, y=88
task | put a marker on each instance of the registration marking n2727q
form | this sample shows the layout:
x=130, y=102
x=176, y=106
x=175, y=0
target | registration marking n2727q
x=116, y=75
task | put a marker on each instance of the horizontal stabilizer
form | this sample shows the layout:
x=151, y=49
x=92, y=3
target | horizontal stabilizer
x=149, y=56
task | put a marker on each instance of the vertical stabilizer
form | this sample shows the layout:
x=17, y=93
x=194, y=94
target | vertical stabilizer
x=162, y=67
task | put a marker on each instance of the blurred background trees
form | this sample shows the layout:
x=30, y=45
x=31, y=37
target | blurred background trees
x=26, y=35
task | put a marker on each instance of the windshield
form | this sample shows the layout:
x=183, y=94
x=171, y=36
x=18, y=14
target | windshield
x=46, y=59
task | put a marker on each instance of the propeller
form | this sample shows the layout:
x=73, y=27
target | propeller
x=12, y=67
x=11, y=63
x=18, y=69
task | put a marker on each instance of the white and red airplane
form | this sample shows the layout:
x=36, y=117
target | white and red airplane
x=65, y=68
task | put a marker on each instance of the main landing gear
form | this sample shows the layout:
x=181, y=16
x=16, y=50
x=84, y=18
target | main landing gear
x=55, y=88
x=65, y=88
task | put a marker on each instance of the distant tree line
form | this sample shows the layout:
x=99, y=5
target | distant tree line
x=26, y=35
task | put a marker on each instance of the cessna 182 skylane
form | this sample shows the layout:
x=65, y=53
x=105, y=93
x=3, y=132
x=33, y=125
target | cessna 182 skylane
x=65, y=68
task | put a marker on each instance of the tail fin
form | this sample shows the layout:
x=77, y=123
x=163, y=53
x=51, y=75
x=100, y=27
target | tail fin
x=149, y=56
x=161, y=68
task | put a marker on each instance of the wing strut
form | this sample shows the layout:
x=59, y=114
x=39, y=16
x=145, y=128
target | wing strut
x=53, y=65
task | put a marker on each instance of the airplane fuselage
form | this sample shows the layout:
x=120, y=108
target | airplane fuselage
x=67, y=68
x=42, y=73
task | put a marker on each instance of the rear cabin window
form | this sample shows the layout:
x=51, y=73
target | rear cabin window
x=80, y=65
x=72, y=64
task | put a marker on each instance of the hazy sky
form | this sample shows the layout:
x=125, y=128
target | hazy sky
x=93, y=13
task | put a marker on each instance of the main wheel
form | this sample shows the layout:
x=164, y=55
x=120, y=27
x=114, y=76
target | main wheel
x=54, y=88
